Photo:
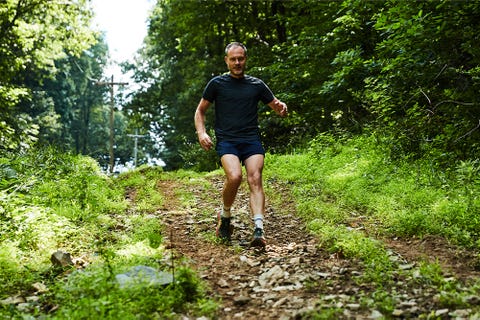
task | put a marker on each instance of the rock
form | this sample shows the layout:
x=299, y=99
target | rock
x=13, y=300
x=375, y=315
x=295, y=261
x=24, y=307
x=280, y=302
x=288, y=287
x=408, y=304
x=324, y=274
x=241, y=300
x=398, y=313
x=248, y=261
x=39, y=287
x=353, y=306
x=474, y=300
x=330, y=297
x=271, y=276
x=406, y=266
x=461, y=313
x=61, y=259
x=222, y=283
x=260, y=290
x=441, y=312
x=32, y=299
x=145, y=276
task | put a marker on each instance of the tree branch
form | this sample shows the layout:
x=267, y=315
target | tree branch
x=469, y=132
x=456, y=102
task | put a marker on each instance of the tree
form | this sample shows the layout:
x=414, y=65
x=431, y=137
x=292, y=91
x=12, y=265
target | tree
x=76, y=95
x=184, y=48
x=33, y=35
x=406, y=73
x=426, y=88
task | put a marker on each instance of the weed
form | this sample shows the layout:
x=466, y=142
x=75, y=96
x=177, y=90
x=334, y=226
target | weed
x=323, y=314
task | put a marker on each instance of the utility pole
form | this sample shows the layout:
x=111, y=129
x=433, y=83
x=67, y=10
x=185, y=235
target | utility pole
x=135, y=136
x=112, y=109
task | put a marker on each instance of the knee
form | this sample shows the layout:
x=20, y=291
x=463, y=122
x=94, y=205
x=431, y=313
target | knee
x=234, y=178
x=255, y=179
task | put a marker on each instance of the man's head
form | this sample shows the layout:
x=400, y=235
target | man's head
x=236, y=58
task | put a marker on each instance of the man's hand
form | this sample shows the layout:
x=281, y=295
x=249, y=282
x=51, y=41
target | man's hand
x=203, y=137
x=205, y=140
x=281, y=108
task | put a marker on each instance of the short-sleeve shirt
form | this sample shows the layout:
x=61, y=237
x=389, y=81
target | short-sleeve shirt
x=236, y=106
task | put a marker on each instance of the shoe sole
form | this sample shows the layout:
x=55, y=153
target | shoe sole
x=258, y=242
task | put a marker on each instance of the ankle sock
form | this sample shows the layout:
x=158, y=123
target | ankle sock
x=226, y=212
x=258, y=220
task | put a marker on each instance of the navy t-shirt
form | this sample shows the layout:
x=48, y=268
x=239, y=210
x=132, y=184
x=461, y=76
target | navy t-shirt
x=236, y=106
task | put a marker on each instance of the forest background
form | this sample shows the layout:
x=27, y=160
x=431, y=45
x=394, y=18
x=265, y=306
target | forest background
x=407, y=74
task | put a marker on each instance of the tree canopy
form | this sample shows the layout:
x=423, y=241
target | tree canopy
x=407, y=73
x=34, y=35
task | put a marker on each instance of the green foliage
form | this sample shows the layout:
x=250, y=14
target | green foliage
x=355, y=182
x=422, y=65
x=51, y=200
x=350, y=193
x=195, y=158
x=79, y=102
x=34, y=36
x=409, y=73
x=80, y=191
x=142, y=183
x=93, y=293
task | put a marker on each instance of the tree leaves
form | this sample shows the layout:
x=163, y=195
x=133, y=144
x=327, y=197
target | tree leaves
x=34, y=34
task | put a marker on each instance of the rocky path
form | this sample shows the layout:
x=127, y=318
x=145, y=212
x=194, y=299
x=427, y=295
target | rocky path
x=291, y=277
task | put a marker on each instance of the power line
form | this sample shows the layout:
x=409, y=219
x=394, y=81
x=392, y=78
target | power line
x=135, y=136
x=111, y=83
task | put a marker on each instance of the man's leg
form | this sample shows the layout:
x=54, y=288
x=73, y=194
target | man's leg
x=233, y=172
x=254, y=166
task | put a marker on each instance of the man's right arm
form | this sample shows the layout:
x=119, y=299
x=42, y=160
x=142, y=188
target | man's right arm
x=203, y=138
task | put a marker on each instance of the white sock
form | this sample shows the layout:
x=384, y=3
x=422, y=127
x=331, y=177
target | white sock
x=226, y=212
x=258, y=220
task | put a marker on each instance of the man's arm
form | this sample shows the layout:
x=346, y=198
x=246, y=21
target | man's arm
x=203, y=137
x=279, y=107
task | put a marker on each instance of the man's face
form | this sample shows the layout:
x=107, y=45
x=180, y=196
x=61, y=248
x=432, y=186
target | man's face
x=236, y=60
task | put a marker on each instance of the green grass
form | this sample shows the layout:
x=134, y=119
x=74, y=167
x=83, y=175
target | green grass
x=331, y=181
x=350, y=193
x=67, y=203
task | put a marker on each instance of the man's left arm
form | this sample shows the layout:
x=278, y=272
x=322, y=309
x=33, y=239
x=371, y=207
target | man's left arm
x=279, y=107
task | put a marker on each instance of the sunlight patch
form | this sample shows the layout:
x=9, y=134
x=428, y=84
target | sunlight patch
x=141, y=248
x=350, y=170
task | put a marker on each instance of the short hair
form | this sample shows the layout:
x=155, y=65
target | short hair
x=235, y=44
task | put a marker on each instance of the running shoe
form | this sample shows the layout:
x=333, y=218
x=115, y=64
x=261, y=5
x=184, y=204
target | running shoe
x=258, y=238
x=224, y=228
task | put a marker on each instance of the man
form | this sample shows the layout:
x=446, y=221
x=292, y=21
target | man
x=236, y=98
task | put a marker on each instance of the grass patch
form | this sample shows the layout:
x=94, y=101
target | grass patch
x=349, y=192
x=68, y=204
x=332, y=181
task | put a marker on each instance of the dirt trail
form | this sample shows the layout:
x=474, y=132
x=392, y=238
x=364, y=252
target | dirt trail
x=294, y=274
